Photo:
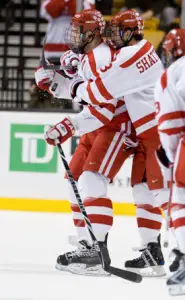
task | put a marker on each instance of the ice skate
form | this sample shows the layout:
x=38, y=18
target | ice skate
x=175, y=257
x=176, y=283
x=150, y=263
x=84, y=260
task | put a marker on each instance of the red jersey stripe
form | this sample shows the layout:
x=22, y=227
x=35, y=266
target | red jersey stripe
x=91, y=95
x=102, y=89
x=172, y=131
x=171, y=116
x=109, y=107
x=120, y=103
x=98, y=115
x=112, y=153
x=92, y=63
x=148, y=133
x=144, y=120
x=147, y=46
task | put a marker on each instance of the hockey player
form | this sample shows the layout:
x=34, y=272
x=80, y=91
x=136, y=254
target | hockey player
x=170, y=104
x=133, y=75
x=58, y=13
x=106, y=139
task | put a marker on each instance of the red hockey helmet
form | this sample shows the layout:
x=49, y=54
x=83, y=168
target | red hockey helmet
x=85, y=26
x=126, y=20
x=173, y=46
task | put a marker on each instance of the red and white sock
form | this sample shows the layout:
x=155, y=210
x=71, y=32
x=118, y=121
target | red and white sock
x=78, y=218
x=100, y=213
x=149, y=221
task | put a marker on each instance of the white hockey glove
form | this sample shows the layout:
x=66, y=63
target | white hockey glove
x=74, y=84
x=164, y=163
x=69, y=58
x=44, y=78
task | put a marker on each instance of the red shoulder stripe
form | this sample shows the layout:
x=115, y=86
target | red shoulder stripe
x=147, y=46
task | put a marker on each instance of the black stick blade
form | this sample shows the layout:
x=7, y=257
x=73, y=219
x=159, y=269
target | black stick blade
x=127, y=275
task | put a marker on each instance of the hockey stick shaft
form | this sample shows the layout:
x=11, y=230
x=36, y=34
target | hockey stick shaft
x=168, y=217
x=131, y=276
x=47, y=66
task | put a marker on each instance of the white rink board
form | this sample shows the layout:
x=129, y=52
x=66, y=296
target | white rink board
x=29, y=168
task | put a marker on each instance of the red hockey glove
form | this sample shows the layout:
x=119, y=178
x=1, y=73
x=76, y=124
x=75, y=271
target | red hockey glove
x=61, y=131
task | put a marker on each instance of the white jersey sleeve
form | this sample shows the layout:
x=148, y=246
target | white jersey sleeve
x=170, y=103
x=93, y=116
x=88, y=120
x=124, y=76
x=59, y=88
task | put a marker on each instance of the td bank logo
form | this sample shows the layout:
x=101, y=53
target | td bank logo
x=28, y=150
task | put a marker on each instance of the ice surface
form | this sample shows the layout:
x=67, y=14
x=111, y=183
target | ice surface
x=30, y=244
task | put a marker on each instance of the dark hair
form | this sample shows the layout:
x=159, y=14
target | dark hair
x=138, y=37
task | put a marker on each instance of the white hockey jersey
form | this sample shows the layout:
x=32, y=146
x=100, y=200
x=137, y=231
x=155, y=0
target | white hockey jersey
x=113, y=113
x=58, y=13
x=132, y=75
x=170, y=104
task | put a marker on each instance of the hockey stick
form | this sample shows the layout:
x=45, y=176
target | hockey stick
x=168, y=217
x=47, y=66
x=127, y=275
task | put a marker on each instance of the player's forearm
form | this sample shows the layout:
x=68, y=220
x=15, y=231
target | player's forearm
x=91, y=119
x=60, y=86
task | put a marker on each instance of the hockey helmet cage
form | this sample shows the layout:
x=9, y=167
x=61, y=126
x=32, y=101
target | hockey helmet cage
x=89, y=20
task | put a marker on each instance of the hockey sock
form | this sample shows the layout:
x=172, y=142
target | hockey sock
x=149, y=221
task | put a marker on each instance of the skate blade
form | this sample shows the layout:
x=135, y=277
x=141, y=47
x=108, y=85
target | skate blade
x=156, y=271
x=177, y=289
x=82, y=269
